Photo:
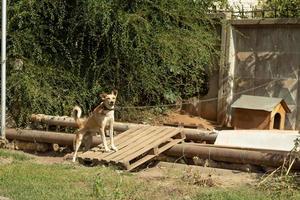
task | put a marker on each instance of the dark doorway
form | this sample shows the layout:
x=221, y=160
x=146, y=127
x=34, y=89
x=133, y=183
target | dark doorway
x=277, y=119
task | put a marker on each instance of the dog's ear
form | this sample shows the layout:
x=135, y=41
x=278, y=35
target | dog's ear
x=103, y=95
x=114, y=92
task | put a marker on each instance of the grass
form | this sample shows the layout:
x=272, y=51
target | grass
x=36, y=181
x=26, y=179
x=244, y=193
x=14, y=155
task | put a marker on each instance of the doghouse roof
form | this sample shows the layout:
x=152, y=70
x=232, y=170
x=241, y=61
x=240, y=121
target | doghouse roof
x=259, y=103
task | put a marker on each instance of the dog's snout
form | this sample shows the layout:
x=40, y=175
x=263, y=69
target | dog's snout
x=111, y=102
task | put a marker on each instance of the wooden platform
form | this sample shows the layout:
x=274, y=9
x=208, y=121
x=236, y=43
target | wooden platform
x=136, y=146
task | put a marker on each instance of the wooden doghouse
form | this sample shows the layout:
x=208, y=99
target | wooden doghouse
x=257, y=112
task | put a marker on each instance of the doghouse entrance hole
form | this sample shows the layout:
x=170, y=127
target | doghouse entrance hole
x=277, y=120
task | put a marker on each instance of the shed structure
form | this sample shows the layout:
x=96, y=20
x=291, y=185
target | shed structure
x=258, y=112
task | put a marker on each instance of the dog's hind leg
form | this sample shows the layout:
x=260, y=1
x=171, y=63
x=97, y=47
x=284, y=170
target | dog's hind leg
x=77, y=143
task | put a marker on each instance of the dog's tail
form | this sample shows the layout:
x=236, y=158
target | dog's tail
x=76, y=113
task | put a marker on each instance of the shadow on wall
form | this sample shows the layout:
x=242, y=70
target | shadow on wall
x=206, y=106
x=266, y=63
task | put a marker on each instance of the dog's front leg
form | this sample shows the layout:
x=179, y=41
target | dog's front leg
x=111, y=135
x=104, y=139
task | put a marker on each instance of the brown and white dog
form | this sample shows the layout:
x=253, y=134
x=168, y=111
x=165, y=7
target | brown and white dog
x=101, y=116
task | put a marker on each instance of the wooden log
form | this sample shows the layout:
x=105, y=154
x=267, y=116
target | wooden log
x=231, y=155
x=191, y=134
x=45, y=137
x=189, y=150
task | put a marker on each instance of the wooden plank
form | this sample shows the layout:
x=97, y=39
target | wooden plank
x=125, y=135
x=87, y=154
x=166, y=134
x=169, y=145
x=132, y=140
x=149, y=146
x=139, y=162
x=119, y=137
x=146, y=140
x=136, y=142
x=131, y=145
x=150, y=156
x=136, y=135
x=160, y=150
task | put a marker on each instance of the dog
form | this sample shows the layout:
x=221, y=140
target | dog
x=101, y=116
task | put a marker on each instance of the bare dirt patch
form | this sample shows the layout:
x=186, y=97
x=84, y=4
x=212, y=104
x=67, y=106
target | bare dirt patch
x=4, y=161
x=49, y=160
x=198, y=176
x=175, y=117
x=52, y=158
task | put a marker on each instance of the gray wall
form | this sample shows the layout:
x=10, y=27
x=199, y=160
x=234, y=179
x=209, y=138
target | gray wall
x=263, y=58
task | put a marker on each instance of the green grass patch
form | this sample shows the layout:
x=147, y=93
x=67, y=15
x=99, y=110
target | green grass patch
x=111, y=185
x=19, y=156
x=243, y=193
x=25, y=179
x=29, y=180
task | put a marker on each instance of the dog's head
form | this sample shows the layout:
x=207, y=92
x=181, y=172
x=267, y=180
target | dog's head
x=109, y=100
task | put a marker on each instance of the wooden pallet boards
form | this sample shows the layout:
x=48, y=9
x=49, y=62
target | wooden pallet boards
x=136, y=146
x=125, y=136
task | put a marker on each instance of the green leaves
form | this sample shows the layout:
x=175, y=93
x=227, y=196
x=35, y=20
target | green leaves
x=152, y=51
x=282, y=8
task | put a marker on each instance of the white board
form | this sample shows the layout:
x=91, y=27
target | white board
x=281, y=140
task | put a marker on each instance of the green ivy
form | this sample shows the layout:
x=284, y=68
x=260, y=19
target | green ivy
x=283, y=8
x=152, y=51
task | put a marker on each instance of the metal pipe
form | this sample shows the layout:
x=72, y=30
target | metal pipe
x=45, y=137
x=227, y=154
x=3, y=70
x=191, y=134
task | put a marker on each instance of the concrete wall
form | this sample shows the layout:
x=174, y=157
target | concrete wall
x=263, y=58
x=259, y=57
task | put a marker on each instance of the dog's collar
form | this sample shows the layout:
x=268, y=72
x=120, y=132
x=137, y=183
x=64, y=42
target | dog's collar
x=106, y=108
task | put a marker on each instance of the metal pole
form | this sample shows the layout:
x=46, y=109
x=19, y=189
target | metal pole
x=3, y=70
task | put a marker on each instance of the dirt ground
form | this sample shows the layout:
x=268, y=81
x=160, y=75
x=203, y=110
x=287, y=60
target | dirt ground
x=52, y=158
x=169, y=173
x=204, y=176
x=4, y=161
x=175, y=117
